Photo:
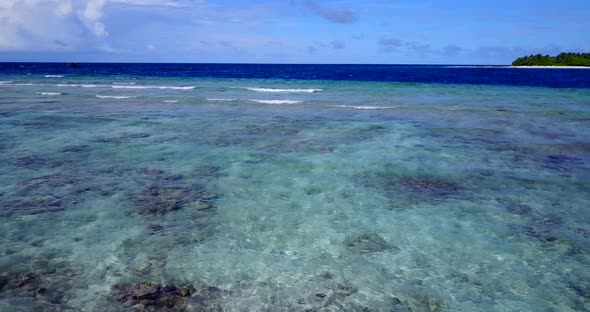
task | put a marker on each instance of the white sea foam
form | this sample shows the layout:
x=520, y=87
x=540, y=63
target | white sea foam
x=223, y=100
x=277, y=102
x=118, y=97
x=284, y=90
x=5, y=82
x=54, y=76
x=170, y=101
x=50, y=93
x=27, y=84
x=361, y=107
x=78, y=85
x=123, y=83
x=131, y=87
x=153, y=87
x=178, y=88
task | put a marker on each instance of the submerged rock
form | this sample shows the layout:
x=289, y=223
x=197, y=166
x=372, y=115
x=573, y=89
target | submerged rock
x=47, y=294
x=136, y=135
x=156, y=297
x=160, y=200
x=581, y=290
x=346, y=289
x=22, y=280
x=31, y=162
x=517, y=208
x=50, y=181
x=32, y=205
x=328, y=296
x=435, y=304
x=169, y=192
x=207, y=295
x=429, y=186
x=399, y=306
x=121, y=138
x=76, y=149
x=163, y=199
x=563, y=159
x=540, y=233
x=408, y=188
x=575, y=147
x=42, y=204
x=199, y=205
x=368, y=243
x=208, y=172
x=279, y=130
x=153, y=296
x=155, y=229
x=312, y=190
x=561, y=162
x=160, y=175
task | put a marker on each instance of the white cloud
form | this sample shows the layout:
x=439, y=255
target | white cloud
x=64, y=8
x=91, y=17
x=32, y=21
x=60, y=24
x=151, y=2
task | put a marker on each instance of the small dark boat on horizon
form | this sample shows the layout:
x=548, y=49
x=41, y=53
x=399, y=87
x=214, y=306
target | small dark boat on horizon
x=73, y=64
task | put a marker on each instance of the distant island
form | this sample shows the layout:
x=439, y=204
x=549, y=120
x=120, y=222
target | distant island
x=563, y=59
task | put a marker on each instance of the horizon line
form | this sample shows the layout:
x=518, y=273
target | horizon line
x=248, y=63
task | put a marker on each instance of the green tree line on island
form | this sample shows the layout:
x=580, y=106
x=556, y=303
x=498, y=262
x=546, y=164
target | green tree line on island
x=563, y=59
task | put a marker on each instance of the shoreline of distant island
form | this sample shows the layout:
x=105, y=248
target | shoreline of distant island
x=549, y=66
x=562, y=60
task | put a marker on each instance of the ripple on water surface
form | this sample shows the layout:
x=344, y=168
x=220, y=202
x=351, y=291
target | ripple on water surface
x=368, y=197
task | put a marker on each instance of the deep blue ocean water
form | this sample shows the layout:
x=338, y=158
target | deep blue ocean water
x=217, y=187
x=491, y=75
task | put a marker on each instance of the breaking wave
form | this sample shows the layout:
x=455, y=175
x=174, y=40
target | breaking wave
x=49, y=93
x=223, y=100
x=153, y=87
x=119, y=97
x=277, y=102
x=272, y=90
x=361, y=107
x=79, y=85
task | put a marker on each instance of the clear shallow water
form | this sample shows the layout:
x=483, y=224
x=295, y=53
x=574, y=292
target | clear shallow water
x=291, y=195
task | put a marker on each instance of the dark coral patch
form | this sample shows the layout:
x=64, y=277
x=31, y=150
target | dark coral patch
x=520, y=209
x=408, y=188
x=516, y=208
x=46, y=294
x=169, y=192
x=156, y=297
x=32, y=205
x=563, y=159
x=31, y=162
x=160, y=200
x=429, y=186
x=76, y=149
x=122, y=138
x=368, y=243
x=153, y=296
x=160, y=175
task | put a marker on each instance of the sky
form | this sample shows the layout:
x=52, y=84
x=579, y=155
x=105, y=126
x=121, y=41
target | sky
x=291, y=31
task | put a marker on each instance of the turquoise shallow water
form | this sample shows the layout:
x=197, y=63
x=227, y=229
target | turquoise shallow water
x=276, y=195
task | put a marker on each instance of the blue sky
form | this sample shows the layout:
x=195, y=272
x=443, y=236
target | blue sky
x=290, y=31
